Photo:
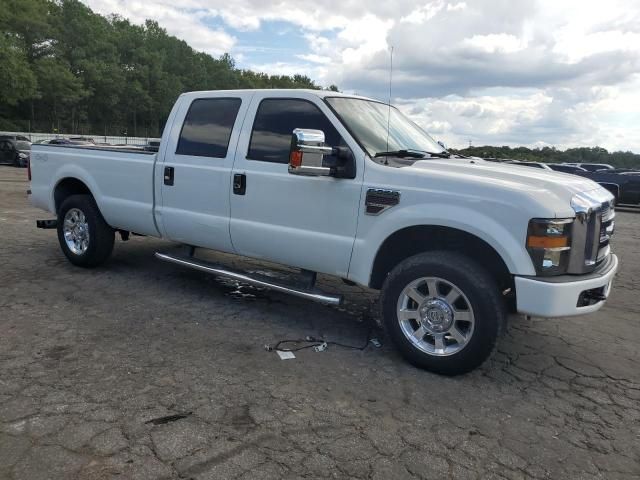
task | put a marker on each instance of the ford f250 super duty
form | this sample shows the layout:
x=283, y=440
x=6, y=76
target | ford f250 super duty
x=346, y=186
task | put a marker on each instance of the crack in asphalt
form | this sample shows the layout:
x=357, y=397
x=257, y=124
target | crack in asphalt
x=88, y=360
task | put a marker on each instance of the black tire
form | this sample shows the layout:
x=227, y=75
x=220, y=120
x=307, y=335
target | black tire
x=481, y=291
x=101, y=235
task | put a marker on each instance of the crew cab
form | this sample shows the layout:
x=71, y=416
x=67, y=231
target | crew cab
x=346, y=186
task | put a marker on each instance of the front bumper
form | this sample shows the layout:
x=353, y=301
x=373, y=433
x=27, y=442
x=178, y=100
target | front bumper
x=561, y=296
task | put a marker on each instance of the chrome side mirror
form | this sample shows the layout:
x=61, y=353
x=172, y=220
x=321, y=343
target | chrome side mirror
x=307, y=152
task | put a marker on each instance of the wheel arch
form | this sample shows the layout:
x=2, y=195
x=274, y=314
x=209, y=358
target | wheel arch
x=409, y=241
x=68, y=186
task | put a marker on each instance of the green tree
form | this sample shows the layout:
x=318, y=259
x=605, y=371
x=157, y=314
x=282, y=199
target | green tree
x=553, y=155
x=62, y=64
x=27, y=23
x=58, y=88
x=17, y=81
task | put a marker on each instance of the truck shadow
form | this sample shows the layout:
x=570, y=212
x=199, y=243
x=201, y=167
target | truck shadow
x=527, y=352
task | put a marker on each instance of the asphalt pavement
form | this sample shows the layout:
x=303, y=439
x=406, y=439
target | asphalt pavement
x=140, y=369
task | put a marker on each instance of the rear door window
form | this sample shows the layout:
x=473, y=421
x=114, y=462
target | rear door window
x=207, y=127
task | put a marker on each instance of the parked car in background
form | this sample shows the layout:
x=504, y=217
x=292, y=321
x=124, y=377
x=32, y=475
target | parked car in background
x=10, y=136
x=82, y=139
x=624, y=185
x=633, y=171
x=152, y=146
x=592, y=167
x=560, y=167
x=541, y=165
x=15, y=151
x=69, y=141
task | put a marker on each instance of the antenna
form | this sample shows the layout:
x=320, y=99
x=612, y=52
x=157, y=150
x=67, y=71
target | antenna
x=389, y=110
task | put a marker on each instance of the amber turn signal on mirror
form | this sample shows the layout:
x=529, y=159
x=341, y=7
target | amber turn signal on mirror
x=295, y=158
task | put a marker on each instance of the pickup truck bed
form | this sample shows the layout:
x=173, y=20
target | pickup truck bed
x=121, y=180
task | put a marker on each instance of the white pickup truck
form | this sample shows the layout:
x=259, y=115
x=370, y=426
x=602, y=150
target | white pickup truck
x=350, y=187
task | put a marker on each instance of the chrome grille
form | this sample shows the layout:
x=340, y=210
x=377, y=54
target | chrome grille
x=592, y=231
x=591, y=247
x=607, y=226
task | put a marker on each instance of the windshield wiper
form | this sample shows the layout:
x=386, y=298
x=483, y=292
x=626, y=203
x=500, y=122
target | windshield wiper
x=443, y=154
x=401, y=154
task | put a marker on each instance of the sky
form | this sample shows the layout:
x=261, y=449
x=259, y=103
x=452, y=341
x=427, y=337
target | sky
x=563, y=73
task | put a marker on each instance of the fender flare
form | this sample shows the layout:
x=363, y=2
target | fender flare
x=465, y=219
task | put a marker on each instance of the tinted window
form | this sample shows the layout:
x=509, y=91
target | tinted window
x=275, y=121
x=207, y=127
x=527, y=164
x=566, y=168
x=594, y=167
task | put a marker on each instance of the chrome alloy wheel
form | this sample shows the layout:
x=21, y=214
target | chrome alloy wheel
x=435, y=316
x=76, y=231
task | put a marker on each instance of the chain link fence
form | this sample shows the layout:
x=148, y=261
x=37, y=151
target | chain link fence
x=98, y=139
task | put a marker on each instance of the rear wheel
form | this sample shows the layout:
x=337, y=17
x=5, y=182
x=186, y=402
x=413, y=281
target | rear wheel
x=84, y=236
x=443, y=311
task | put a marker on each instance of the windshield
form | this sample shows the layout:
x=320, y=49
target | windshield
x=367, y=121
x=23, y=145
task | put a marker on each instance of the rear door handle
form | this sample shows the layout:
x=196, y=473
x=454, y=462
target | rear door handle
x=168, y=175
x=239, y=183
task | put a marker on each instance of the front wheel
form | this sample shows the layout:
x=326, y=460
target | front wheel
x=84, y=236
x=443, y=311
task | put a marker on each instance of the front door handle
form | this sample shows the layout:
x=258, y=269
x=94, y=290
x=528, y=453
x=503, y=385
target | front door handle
x=239, y=183
x=168, y=175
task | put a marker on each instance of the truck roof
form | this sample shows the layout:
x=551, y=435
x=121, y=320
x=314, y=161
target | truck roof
x=292, y=91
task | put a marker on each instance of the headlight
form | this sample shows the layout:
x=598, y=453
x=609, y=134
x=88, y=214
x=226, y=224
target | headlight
x=549, y=245
x=23, y=156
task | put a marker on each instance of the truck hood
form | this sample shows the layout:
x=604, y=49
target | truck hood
x=536, y=181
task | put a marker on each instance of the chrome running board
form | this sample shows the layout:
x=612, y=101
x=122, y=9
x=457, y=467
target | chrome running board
x=253, y=279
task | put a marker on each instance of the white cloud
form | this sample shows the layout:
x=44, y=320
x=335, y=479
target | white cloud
x=452, y=7
x=496, y=42
x=557, y=117
x=364, y=37
x=423, y=13
x=177, y=21
x=313, y=58
x=530, y=72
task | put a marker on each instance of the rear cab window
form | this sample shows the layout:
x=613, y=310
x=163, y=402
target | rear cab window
x=207, y=127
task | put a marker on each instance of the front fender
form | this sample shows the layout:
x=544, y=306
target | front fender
x=506, y=236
